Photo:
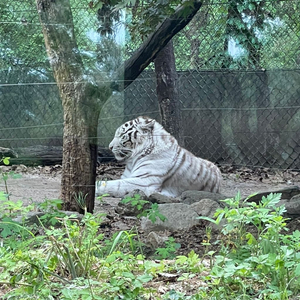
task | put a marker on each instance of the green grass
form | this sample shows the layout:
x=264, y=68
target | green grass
x=257, y=258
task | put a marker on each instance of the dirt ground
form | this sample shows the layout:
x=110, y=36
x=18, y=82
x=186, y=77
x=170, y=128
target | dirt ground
x=40, y=183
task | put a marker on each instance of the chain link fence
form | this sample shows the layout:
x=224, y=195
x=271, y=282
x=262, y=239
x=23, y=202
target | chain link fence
x=238, y=81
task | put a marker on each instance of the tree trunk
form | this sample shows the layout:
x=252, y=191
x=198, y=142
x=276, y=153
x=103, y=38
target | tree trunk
x=81, y=105
x=167, y=92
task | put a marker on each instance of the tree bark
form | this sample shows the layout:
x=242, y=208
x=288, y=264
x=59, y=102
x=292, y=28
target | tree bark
x=167, y=92
x=82, y=99
x=7, y=152
x=156, y=41
x=81, y=105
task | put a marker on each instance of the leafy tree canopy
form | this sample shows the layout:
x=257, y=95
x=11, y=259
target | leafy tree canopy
x=262, y=34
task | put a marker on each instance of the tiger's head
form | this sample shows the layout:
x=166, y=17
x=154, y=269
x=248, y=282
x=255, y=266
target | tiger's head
x=130, y=136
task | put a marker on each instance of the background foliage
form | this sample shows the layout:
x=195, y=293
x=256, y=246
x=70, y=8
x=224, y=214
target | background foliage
x=238, y=65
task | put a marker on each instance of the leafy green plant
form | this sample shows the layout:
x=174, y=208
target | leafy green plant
x=255, y=258
x=174, y=295
x=100, y=198
x=169, y=250
x=68, y=263
x=12, y=232
x=13, y=208
x=190, y=263
x=5, y=160
x=75, y=244
x=123, y=241
x=135, y=201
x=6, y=175
x=50, y=205
x=52, y=210
x=153, y=213
x=146, y=208
x=80, y=199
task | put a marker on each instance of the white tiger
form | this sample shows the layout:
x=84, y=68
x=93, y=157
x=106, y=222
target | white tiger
x=156, y=163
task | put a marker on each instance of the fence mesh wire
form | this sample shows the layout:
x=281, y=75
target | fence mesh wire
x=238, y=81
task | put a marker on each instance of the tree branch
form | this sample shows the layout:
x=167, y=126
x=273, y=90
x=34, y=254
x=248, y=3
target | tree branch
x=147, y=52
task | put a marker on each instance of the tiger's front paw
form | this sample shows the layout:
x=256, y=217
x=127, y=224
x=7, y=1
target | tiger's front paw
x=100, y=188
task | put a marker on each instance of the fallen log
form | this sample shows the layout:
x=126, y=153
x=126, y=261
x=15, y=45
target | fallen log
x=7, y=152
x=286, y=193
x=49, y=155
x=38, y=155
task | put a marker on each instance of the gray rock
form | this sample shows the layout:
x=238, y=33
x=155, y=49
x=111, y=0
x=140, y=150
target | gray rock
x=4, y=169
x=21, y=169
x=178, y=216
x=30, y=218
x=155, y=239
x=14, y=167
x=120, y=225
x=295, y=198
x=161, y=199
x=282, y=202
x=47, y=169
x=205, y=207
x=292, y=209
x=190, y=197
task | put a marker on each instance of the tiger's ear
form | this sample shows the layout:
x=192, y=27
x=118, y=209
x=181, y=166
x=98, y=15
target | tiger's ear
x=147, y=125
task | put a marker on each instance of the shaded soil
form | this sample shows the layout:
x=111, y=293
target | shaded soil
x=40, y=183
